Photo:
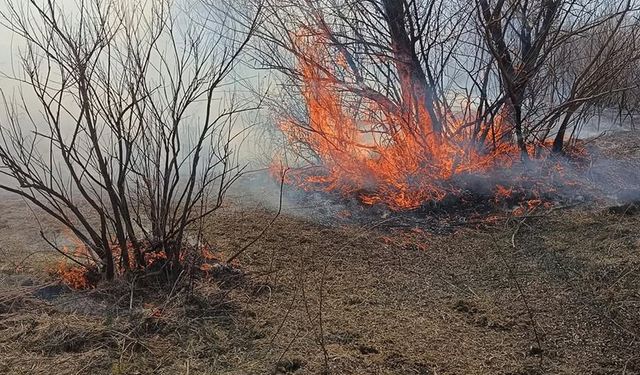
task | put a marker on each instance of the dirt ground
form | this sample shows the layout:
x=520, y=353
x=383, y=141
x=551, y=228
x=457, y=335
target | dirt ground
x=554, y=292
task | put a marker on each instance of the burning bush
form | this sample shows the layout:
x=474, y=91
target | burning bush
x=396, y=101
x=384, y=153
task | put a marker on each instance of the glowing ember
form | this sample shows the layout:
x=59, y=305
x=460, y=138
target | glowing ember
x=80, y=271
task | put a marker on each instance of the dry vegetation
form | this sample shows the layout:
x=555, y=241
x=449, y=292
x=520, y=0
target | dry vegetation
x=563, y=299
x=551, y=287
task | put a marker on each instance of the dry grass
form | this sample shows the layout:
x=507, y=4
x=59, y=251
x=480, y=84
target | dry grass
x=557, y=293
x=107, y=331
x=405, y=302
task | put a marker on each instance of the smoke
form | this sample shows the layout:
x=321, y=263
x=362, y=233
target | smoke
x=607, y=174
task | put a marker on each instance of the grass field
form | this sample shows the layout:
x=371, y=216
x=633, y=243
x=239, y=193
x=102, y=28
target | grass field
x=553, y=291
x=557, y=293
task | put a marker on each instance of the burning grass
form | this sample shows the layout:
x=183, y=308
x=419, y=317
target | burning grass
x=79, y=270
x=358, y=144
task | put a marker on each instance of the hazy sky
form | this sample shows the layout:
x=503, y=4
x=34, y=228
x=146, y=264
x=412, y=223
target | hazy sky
x=11, y=44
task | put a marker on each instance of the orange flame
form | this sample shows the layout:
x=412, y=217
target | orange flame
x=85, y=273
x=74, y=276
x=381, y=154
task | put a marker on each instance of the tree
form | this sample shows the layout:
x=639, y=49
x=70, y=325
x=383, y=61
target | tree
x=370, y=96
x=125, y=138
x=386, y=51
x=549, y=69
x=390, y=99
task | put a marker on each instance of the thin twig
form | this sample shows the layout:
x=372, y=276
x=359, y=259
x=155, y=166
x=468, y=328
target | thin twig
x=521, y=292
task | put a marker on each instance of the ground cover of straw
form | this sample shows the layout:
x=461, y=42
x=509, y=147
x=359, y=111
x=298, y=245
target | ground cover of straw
x=352, y=300
x=556, y=291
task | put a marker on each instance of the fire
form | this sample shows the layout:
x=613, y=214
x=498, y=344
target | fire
x=74, y=276
x=83, y=272
x=503, y=192
x=381, y=154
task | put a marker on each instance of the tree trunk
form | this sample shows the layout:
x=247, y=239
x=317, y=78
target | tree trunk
x=517, y=126
x=109, y=265
x=416, y=91
x=558, y=142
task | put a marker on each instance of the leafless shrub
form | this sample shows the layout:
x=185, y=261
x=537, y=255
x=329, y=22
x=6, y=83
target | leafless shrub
x=557, y=58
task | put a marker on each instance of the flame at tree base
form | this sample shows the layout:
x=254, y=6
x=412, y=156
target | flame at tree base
x=518, y=187
x=384, y=152
x=80, y=271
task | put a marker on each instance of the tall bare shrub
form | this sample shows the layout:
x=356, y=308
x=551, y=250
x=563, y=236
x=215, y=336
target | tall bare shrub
x=122, y=132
